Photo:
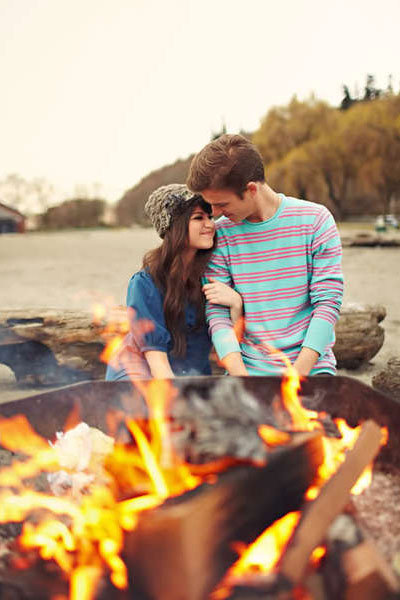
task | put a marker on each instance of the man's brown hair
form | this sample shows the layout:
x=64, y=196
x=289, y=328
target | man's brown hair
x=229, y=162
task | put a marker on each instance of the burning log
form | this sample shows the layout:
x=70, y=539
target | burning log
x=315, y=521
x=181, y=550
x=332, y=499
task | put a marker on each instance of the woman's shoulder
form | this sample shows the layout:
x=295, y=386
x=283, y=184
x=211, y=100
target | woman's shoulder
x=142, y=284
x=142, y=278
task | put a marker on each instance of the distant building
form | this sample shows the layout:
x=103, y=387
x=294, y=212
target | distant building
x=11, y=221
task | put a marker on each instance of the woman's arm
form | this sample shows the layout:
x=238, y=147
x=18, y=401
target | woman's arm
x=159, y=364
x=217, y=292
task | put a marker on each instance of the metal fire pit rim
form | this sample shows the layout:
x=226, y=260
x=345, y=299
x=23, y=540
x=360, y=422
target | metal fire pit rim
x=340, y=396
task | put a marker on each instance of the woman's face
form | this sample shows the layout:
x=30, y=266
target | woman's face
x=201, y=230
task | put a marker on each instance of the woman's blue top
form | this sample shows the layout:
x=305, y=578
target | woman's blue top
x=148, y=331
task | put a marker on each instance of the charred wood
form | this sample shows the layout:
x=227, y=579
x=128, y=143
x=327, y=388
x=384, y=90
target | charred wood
x=332, y=499
x=353, y=567
x=181, y=550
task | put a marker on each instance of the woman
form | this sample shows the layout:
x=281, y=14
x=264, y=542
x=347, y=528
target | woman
x=168, y=334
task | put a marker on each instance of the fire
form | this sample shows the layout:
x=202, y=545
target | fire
x=85, y=536
x=273, y=437
x=264, y=554
x=302, y=419
x=119, y=321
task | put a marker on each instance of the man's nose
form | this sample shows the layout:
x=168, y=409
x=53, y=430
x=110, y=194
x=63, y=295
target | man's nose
x=216, y=212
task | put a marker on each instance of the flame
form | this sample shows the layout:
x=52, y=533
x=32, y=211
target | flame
x=99, y=312
x=263, y=555
x=273, y=437
x=302, y=419
x=85, y=537
x=119, y=322
x=265, y=552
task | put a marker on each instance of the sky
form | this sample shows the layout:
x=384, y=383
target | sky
x=97, y=93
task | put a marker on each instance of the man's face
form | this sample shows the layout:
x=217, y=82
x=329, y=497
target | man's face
x=226, y=202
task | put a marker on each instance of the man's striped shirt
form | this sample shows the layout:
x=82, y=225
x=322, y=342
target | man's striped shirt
x=288, y=271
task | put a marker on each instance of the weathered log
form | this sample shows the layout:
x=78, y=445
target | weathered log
x=359, y=336
x=388, y=380
x=370, y=238
x=46, y=346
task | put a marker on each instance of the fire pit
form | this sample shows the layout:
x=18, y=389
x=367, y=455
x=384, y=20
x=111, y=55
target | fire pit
x=243, y=404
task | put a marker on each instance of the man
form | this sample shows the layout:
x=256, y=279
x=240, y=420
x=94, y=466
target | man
x=283, y=255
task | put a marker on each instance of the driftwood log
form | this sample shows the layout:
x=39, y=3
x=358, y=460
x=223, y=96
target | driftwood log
x=388, y=380
x=51, y=346
x=359, y=335
x=370, y=238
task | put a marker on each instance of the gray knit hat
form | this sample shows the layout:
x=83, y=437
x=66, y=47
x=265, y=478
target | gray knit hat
x=165, y=203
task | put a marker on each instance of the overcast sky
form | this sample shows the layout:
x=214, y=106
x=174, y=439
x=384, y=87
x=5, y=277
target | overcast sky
x=103, y=91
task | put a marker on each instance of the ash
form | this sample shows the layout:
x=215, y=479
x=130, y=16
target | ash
x=217, y=422
x=378, y=508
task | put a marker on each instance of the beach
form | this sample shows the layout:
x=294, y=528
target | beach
x=77, y=269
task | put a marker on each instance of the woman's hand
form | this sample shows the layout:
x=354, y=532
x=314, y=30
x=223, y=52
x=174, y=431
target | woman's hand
x=159, y=364
x=217, y=292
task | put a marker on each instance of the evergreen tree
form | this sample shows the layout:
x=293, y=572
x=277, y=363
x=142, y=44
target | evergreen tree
x=347, y=100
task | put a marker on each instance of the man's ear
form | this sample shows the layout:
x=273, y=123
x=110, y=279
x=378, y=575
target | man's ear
x=251, y=187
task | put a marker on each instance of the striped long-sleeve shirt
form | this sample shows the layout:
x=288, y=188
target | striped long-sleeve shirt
x=288, y=271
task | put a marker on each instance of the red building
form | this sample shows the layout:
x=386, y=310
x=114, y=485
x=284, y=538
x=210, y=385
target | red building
x=11, y=221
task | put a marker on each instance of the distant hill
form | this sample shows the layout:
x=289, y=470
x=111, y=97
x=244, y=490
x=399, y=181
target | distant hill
x=130, y=208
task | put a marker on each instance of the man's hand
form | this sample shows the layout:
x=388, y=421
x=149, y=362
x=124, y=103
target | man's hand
x=305, y=361
x=234, y=364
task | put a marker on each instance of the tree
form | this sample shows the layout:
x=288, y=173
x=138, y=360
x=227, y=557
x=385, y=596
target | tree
x=130, y=208
x=216, y=135
x=372, y=132
x=13, y=191
x=286, y=127
x=26, y=196
x=347, y=100
x=370, y=91
x=77, y=212
x=294, y=174
x=335, y=166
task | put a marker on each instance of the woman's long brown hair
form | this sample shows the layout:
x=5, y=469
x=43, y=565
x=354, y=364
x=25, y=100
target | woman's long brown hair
x=166, y=267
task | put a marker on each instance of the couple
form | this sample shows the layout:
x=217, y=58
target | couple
x=272, y=258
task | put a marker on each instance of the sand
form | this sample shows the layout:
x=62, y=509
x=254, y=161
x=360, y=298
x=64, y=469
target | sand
x=75, y=269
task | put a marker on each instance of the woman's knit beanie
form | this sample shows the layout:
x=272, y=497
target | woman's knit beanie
x=165, y=203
